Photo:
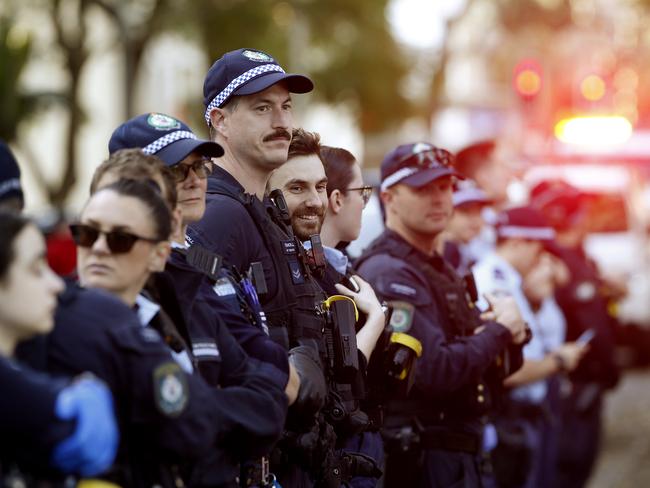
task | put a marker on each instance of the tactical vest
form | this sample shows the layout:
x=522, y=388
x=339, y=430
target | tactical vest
x=293, y=312
x=458, y=318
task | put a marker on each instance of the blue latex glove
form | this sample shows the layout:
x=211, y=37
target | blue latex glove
x=91, y=448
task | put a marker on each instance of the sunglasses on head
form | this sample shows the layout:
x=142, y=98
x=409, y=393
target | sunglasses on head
x=366, y=192
x=118, y=241
x=429, y=158
x=201, y=167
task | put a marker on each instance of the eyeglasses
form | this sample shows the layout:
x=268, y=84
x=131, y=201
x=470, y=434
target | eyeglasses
x=201, y=167
x=434, y=157
x=366, y=192
x=119, y=242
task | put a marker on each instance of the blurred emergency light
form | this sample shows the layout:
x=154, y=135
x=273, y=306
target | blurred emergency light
x=592, y=88
x=527, y=78
x=594, y=130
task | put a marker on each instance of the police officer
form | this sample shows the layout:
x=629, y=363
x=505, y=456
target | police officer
x=249, y=111
x=45, y=423
x=522, y=235
x=433, y=438
x=128, y=204
x=466, y=224
x=303, y=182
x=585, y=304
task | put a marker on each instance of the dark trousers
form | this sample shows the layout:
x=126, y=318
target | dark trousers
x=580, y=440
x=432, y=469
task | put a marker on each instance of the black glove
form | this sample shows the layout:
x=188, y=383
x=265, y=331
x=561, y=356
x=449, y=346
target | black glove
x=358, y=464
x=313, y=388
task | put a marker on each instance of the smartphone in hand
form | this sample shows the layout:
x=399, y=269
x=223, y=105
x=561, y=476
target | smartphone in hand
x=586, y=337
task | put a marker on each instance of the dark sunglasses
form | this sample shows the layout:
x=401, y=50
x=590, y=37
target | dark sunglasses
x=427, y=159
x=366, y=192
x=201, y=167
x=119, y=242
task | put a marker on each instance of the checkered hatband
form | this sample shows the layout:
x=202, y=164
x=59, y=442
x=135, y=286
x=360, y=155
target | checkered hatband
x=166, y=140
x=236, y=83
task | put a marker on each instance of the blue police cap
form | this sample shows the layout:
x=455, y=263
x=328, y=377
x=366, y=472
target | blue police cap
x=416, y=165
x=161, y=135
x=467, y=192
x=244, y=72
x=9, y=174
x=524, y=223
x=562, y=204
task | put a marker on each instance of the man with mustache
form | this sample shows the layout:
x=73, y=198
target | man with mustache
x=247, y=96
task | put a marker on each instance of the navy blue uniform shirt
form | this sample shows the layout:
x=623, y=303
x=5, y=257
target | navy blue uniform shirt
x=585, y=307
x=166, y=416
x=228, y=230
x=196, y=292
x=446, y=364
x=29, y=428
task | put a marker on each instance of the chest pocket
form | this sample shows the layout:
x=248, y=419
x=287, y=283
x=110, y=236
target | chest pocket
x=208, y=358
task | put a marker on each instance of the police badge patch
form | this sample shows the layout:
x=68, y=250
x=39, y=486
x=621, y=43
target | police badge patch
x=162, y=122
x=258, y=56
x=402, y=317
x=170, y=389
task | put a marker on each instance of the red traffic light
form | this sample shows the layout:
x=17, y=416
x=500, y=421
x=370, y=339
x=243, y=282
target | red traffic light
x=527, y=78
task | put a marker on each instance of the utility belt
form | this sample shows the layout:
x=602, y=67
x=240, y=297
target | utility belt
x=315, y=453
x=418, y=438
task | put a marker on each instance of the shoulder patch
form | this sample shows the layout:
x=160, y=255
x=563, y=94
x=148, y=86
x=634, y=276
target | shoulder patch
x=170, y=389
x=403, y=289
x=402, y=317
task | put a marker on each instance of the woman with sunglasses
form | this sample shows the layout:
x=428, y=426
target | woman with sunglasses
x=44, y=423
x=108, y=245
x=206, y=310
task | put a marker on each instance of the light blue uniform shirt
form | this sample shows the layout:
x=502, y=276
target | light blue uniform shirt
x=493, y=274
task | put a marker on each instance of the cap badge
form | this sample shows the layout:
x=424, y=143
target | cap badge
x=258, y=56
x=163, y=122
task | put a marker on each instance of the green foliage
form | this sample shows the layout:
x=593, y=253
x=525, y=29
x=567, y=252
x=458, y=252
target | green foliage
x=16, y=105
x=345, y=47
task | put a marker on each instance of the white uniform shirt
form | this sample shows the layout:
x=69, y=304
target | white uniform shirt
x=493, y=274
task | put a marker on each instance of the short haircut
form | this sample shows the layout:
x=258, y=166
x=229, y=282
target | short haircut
x=470, y=158
x=133, y=164
x=339, y=164
x=304, y=143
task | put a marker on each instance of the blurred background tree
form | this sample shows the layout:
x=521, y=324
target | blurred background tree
x=348, y=48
